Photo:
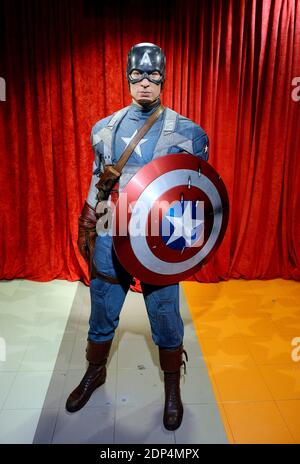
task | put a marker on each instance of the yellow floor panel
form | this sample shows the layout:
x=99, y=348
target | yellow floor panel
x=226, y=351
x=262, y=423
x=250, y=325
x=273, y=349
x=287, y=322
x=239, y=383
x=282, y=380
x=215, y=324
x=245, y=330
x=290, y=411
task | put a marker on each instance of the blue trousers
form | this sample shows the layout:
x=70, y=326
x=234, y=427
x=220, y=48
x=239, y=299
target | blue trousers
x=162, y=302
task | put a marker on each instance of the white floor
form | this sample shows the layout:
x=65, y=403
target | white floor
x=44, y=328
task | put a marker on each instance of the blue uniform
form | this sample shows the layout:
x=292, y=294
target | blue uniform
x=171, y=133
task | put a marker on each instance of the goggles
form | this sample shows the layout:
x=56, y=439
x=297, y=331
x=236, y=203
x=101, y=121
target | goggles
x=137, y=76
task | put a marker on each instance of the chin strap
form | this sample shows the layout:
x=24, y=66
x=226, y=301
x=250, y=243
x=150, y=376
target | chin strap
x=150, y=105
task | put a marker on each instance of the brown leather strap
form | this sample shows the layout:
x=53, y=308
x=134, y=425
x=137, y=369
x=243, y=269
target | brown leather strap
x=118, y=168
x=140, y=134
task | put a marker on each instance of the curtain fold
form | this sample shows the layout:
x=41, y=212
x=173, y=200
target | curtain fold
x=230, y=66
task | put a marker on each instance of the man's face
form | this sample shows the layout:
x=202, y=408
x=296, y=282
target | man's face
x=145, y=92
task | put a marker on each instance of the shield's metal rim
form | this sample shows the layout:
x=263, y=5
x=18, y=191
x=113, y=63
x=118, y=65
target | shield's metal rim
x=138, y=184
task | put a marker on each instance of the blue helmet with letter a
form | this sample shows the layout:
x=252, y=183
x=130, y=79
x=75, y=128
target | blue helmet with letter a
x=145, y=60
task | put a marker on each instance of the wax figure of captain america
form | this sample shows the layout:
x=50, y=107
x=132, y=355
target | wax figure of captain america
x=171, y=133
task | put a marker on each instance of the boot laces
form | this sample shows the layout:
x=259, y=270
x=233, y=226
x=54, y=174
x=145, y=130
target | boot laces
x=173, y=382
x=90, y=377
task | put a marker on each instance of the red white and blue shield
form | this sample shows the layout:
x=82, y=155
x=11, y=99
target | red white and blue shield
x=175, y=211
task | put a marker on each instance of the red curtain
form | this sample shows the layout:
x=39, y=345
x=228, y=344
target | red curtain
x=230, y=67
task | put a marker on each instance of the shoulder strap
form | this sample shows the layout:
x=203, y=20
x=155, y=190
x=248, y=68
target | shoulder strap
x=140, y=134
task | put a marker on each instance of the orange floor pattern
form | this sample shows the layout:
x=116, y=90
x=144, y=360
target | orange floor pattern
x=249, y=333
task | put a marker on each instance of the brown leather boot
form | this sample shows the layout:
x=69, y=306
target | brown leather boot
x=96, y=354
x=170, y=362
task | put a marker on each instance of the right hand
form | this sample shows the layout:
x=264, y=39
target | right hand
x=87, y=232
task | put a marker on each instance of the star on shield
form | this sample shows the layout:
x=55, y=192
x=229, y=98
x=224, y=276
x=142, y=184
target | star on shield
x=188, y=224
